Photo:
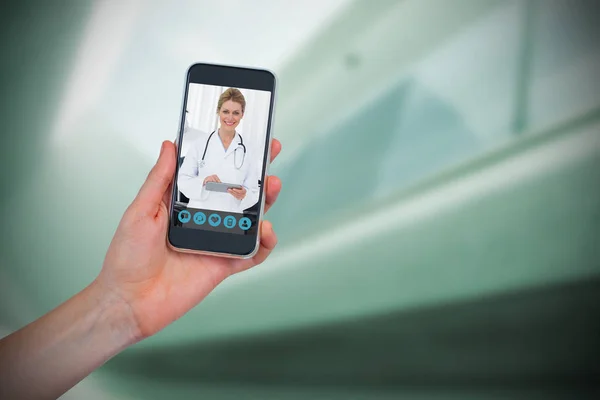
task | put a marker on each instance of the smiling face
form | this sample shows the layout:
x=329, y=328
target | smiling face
x=230, y=115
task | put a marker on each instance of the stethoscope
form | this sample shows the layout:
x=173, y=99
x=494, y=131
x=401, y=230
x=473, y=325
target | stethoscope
x=239, y=146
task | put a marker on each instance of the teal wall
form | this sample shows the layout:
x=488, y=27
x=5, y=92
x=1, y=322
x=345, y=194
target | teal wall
x=439, y=218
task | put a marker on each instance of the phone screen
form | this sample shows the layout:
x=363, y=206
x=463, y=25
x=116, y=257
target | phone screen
x=224, y=138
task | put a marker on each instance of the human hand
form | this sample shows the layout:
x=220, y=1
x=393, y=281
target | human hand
x=211, y=178
x=238, y=193
x=155, y=284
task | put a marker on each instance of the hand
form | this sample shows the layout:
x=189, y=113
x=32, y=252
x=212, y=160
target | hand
x=154, y=283
x=211, y=178
x=238, y=193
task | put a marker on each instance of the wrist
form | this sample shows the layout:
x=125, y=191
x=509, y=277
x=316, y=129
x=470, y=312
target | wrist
x=116, y=314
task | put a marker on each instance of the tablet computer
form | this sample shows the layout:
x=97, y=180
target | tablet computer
x=221, y=186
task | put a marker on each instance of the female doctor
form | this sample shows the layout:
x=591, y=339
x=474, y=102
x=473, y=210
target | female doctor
x=221, y=156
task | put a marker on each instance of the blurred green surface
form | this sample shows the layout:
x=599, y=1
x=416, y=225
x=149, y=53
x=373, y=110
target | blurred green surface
x=440, y=212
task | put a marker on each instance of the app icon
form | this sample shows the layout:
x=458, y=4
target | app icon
x=184, y=216
x=229, y=221
x=199, y=218
x=245, y=223
x=214, y=219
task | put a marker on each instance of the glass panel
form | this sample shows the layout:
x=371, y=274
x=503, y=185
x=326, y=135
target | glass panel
x=566, y=60
x=454, y=104
x=462, y=101
x=340, y=169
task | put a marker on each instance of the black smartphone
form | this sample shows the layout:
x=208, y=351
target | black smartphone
x=224, y=136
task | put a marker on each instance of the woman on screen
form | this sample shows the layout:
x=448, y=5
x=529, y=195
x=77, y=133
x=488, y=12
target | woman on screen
x=222, y=158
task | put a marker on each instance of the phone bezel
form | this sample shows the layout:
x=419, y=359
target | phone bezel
x=205, y=241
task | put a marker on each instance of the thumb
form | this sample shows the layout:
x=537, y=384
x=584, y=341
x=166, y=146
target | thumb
x=152, y=191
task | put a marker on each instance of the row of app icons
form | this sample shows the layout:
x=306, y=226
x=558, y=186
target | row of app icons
x=215, y=220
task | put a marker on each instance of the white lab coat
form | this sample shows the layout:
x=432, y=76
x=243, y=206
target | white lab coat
x=221, y=163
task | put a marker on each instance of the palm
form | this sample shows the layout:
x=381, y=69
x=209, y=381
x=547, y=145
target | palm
x=182, y=282
x=160, y=284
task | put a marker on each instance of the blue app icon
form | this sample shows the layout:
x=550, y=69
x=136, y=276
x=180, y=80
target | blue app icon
x=245, y=223
x=184, y=216
x=199, y=218
x=214, y=219
x=229, y=221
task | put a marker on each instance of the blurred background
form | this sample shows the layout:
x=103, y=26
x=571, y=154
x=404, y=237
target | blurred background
x=440, y=212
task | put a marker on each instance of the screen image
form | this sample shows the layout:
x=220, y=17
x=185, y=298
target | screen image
x=221, y=158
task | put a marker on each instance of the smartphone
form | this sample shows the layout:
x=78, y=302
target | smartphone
x=221, y=186
x=224, y=130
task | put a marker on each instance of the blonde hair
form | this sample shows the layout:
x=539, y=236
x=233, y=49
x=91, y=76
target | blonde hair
x=234, y=95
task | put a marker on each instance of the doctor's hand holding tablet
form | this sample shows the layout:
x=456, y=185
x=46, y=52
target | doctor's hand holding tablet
x=156, y=270
x=214, y=184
